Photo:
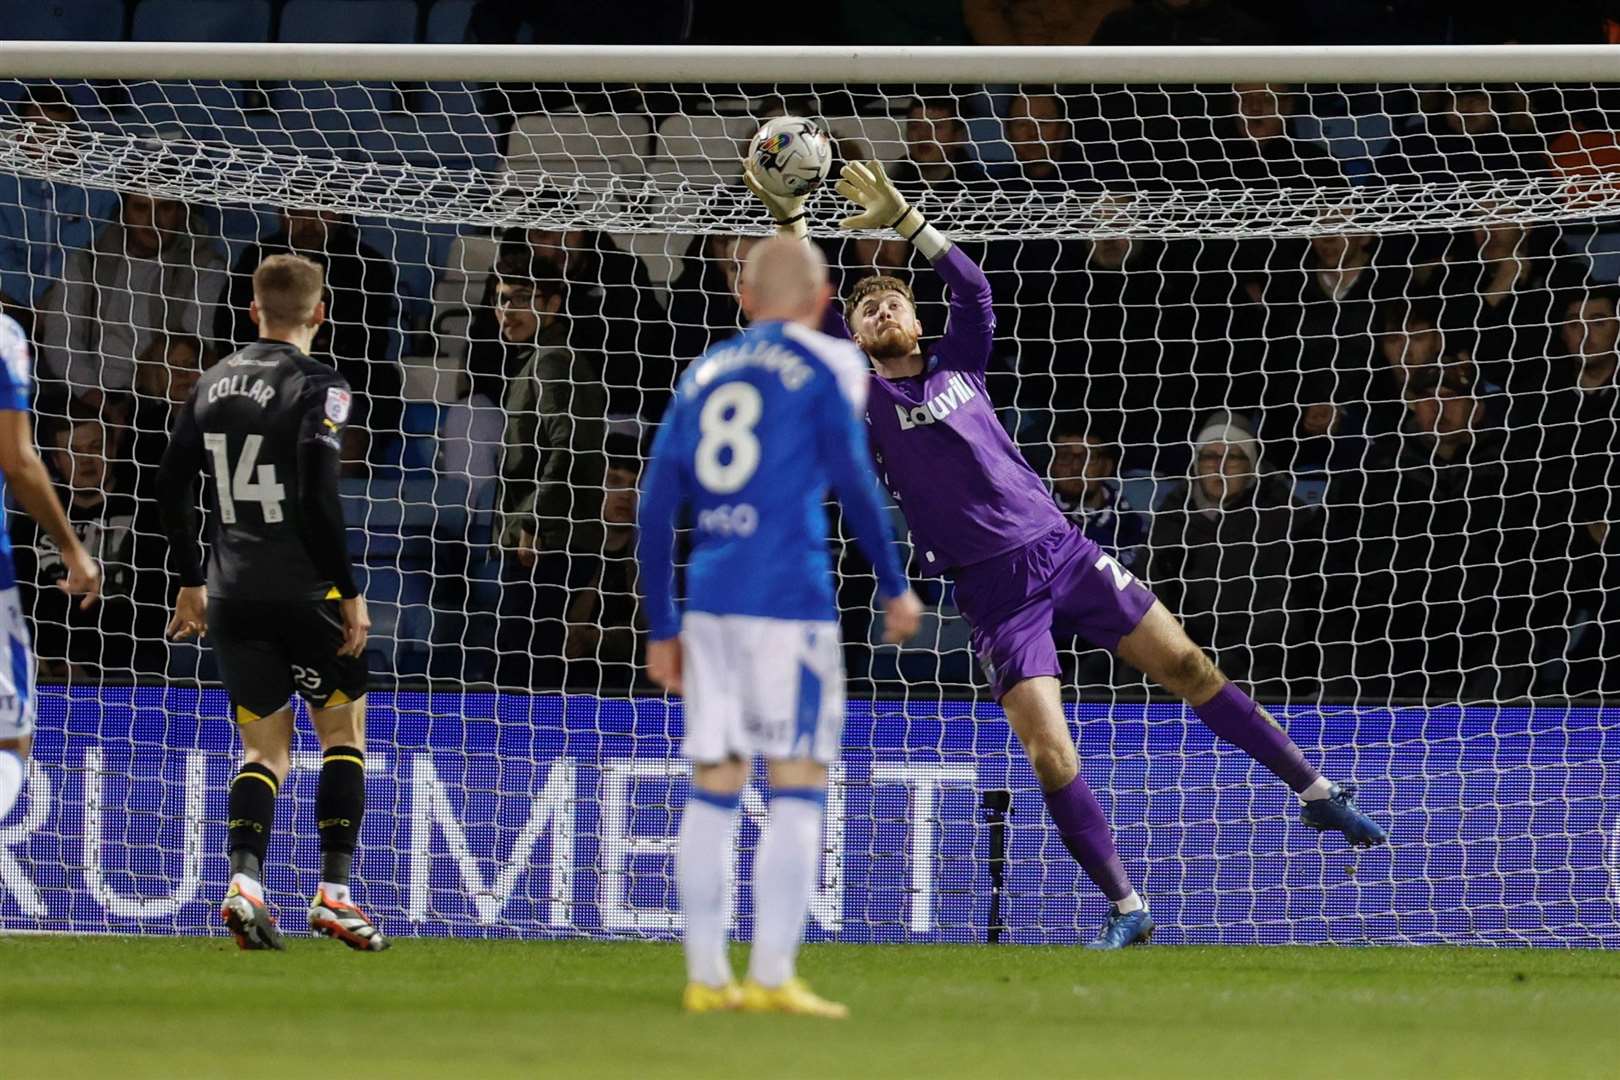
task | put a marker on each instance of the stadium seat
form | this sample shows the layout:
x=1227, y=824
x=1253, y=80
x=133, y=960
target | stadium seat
x=433, y=140
x=862, y=138
x=579, y=143
x=660, y=253
x=405, y=244
x=201, y=20
x=459, y=288
x=81, y=20
x=1147, y=492
x=705, y=149
x=349, y=22
x=288, y=129
x=1601, y=249
x=205, y=103
x=447, y=22
x=1310, y=489
x=1354, y=141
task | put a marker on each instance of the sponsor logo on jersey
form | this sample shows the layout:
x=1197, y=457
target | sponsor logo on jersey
x=337, y=404
x=958, y=391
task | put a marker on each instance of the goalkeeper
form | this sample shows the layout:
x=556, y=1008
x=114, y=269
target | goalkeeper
x=978, y=513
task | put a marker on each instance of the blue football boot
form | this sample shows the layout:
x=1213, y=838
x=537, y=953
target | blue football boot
x=1122, y=930
x=1339, y=813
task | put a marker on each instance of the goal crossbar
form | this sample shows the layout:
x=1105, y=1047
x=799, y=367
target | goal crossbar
x=888, y=64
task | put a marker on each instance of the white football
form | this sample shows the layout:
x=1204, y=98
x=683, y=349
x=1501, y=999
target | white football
x=791, y=156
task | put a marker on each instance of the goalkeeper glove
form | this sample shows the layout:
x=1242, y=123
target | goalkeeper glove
x=882, y=206
x=787, y=210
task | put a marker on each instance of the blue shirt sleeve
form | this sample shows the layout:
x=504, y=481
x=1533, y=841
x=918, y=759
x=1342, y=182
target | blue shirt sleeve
x=849, y=465
x=970, y=332
x=663, y=491
x=16, y=366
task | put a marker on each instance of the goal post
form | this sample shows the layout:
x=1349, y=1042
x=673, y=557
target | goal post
x=1317, y=341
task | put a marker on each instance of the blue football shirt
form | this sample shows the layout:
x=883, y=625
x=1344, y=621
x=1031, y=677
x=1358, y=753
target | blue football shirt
x=16, y=366
x=762, y=426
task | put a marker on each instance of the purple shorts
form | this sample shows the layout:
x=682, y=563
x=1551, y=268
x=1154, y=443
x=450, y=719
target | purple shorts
x=1061, y=583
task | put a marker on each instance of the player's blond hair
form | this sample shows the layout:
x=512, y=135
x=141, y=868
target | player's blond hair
x=287, y=288
x=870, y=286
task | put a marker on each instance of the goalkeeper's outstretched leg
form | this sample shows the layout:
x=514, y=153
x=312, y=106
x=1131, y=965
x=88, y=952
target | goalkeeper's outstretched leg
x=1162, y=651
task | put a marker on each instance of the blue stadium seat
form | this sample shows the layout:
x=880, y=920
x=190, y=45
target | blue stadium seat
x=201, y=20
x=1310, y=489
x=81, y=20
x=443, y=128
x=405, y=244
x=1140, y=491
x=289, y=129
x=388, y=22
x=447, y=22
x=209, y=103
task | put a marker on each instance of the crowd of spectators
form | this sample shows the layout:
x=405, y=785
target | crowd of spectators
x=1361, y=464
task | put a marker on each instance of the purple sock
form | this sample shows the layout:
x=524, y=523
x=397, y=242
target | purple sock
x=1085, y=833
x=1233, y=715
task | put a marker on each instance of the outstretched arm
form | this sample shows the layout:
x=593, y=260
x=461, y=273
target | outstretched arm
x=968, y=335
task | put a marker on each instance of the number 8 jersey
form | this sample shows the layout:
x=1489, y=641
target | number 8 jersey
x=265, y=425
x=762, y=426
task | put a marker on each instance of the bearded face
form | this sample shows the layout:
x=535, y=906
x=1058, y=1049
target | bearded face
x=886, y=327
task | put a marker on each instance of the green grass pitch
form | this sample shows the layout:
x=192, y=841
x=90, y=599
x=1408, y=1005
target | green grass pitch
x=139, y=1007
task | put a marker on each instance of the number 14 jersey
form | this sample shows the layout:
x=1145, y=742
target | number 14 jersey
x=254, y=421
x=762, y=426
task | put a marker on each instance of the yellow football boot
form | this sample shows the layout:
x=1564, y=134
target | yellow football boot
x=703, y=998
x=793, y=997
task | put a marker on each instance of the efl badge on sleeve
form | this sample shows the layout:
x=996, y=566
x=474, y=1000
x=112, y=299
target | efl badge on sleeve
x=337, y=405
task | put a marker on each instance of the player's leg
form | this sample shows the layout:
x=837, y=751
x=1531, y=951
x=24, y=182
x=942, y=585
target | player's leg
x=265, y=759
x=254, y=671
x=796, y=707
x=335, y=687
x=340, y=804
x=1034, y=708
x=705, y=848
x=704, y=855
x=16, y=704
x=13, y=770
x=1016, y=649
x=786, y=867
x=1161, y=650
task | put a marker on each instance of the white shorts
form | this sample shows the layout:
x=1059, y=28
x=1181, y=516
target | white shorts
x=772, y=687
x=16, y=669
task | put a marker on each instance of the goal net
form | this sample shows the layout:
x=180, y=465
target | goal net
x=1326, y=355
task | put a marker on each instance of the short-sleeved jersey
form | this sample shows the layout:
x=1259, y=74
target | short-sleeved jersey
x=253, y=410
x=16, y=368
x=761, y=427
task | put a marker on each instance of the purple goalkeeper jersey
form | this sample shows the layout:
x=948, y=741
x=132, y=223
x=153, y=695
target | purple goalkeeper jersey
x=967, y=493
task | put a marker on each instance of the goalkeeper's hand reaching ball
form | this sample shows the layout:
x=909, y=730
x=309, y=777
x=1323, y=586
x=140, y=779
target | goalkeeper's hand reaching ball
x=786, y=210
x=882, y=206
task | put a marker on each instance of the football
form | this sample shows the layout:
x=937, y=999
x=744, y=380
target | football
x=791, y=156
